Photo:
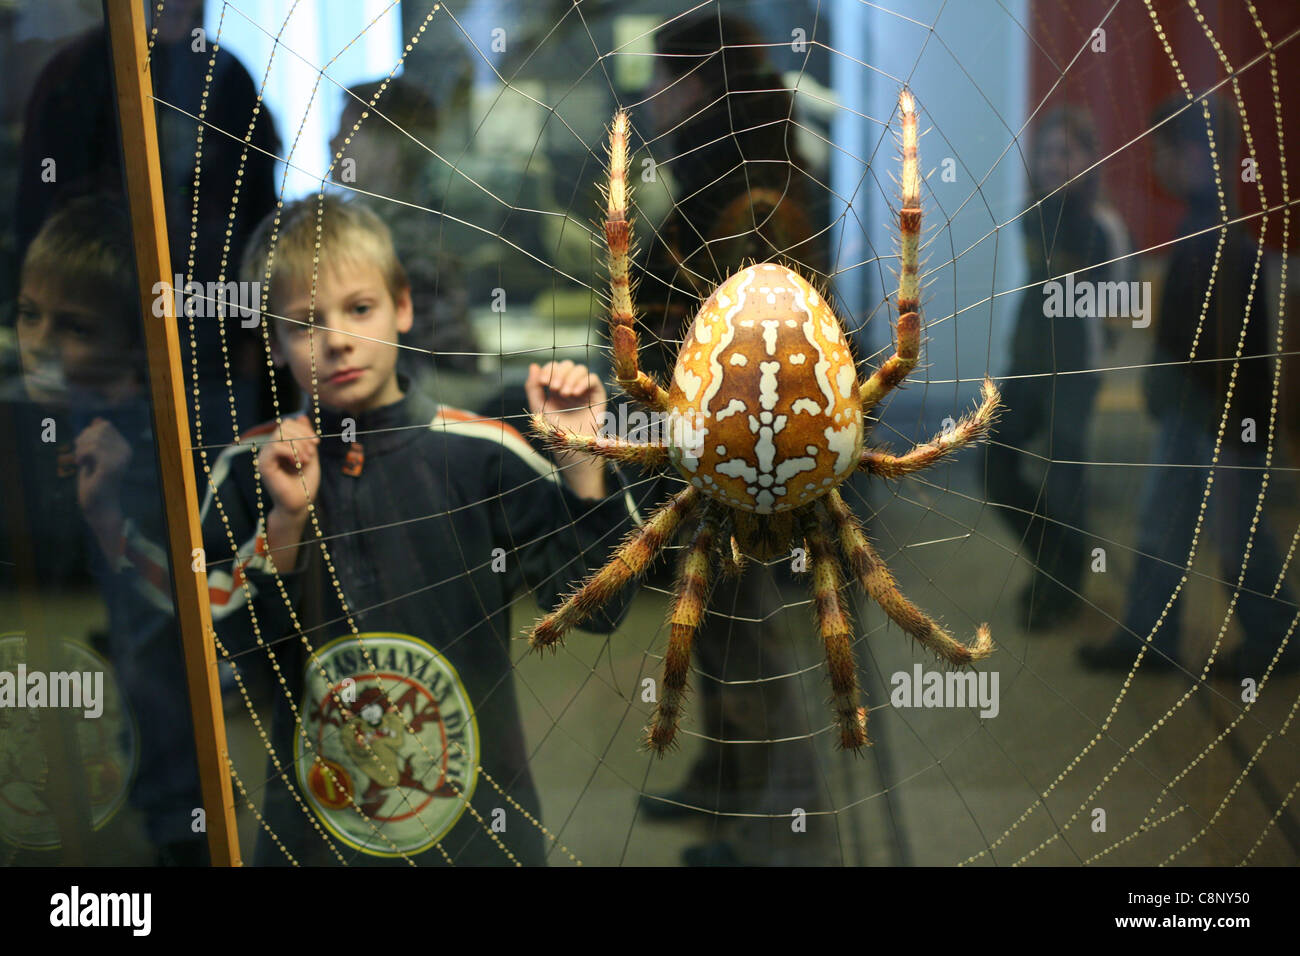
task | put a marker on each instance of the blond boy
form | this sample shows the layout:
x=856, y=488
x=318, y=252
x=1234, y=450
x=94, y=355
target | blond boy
x=401, y=531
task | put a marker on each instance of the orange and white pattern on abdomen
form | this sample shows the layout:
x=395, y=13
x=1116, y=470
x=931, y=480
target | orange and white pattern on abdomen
x=767, y=377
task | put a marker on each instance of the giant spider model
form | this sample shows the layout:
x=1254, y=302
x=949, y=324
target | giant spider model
x=769, y=419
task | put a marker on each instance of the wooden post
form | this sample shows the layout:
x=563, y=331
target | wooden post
x=127, y=30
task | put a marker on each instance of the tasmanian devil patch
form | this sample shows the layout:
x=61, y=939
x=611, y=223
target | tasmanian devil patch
x=393, y=750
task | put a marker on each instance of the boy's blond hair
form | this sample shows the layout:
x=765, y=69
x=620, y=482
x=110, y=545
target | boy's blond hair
x=349, y=233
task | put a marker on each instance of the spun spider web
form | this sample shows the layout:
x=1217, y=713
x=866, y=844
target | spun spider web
x=1184, y=768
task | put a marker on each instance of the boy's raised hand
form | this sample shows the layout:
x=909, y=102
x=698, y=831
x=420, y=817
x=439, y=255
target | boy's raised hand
x=275, y=461
x=572, y=397
x=567, y=394
x=102, y=455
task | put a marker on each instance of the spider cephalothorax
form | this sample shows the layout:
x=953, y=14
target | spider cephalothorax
x=767, y=415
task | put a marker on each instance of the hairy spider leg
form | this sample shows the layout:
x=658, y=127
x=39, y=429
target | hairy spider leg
x=692, y=592
x=877, y=581
x=836, y=634
x=613, y=449
x=630, y=561
x=971, y=428
x=908, y=349
x=622, y=314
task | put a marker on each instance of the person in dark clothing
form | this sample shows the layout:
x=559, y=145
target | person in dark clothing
x=741, y=195
x=389, y=156
x=400, y=531
x=1043, y=503
x=1204, y=407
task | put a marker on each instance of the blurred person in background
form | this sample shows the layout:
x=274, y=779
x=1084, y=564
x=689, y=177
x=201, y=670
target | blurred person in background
x=387, y=156
x=719, y=120
x=1068, y=230
x=1201, y=408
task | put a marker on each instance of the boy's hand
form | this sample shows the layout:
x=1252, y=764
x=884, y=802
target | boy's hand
x=289, y=491
x=571, y=397
x=102, y=455
x=275, y=461
x=567, y=394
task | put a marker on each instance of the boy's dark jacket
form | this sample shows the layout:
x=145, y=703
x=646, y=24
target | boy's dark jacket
x=432, y=522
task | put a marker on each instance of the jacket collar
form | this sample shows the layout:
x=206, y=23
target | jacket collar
x=379, y=429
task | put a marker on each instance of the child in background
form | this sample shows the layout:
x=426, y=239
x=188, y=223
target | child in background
x=400, y=531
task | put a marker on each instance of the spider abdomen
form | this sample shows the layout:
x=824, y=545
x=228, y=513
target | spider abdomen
x=765, y=394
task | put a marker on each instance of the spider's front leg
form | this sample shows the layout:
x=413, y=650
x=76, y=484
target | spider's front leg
x=613, y=449
x=908, y=350
x=692, y=593
x=837, y=635
x=630, y=561
x=972, y=428
x=622, y=314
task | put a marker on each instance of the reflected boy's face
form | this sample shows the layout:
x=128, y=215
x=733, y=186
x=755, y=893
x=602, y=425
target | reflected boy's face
x=351, y=335
x=68, y=347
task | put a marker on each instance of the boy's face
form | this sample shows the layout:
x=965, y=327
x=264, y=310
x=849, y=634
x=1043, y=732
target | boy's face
x=69, y=350
x=353, y=337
